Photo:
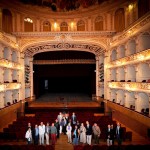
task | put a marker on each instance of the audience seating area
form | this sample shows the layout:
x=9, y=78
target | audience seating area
x=26, y=147
x=114, y=147
x=16, y=130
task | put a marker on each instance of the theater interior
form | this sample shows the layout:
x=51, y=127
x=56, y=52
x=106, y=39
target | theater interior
x=91, y=57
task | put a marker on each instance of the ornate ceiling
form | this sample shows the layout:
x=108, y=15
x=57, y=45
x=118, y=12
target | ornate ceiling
x=63, y=5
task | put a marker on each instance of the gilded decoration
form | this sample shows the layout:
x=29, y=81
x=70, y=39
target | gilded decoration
x=64, y=61
x=101, y=38
x=9, y=86
x=63, y=46
x=130, y=86
x=138, y=26
x=5, y=39
x=133, y=59
x=9, y=64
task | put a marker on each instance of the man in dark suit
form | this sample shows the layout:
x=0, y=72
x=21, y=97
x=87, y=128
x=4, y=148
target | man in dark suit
x=73, y=118
x=88, y=133
x=119, y=133
x=57, y=127
x=36, y=134
x=109, y=135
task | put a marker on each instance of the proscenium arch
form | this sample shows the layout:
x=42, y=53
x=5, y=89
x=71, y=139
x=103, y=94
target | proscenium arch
x=31, y=50
x=34, y=48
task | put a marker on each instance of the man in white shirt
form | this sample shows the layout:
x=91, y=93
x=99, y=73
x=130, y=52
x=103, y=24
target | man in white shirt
x=59, y=118
x=41, y=133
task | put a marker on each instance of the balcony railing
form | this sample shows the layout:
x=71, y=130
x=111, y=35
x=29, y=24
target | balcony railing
x=8, y=64
x=9, y=86
x=130, y=86
x=133, y=59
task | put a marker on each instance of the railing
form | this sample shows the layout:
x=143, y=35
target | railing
x=131, y=86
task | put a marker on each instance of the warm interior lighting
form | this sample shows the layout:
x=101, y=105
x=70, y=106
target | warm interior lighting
x=140, y=57
x=28, y=20
x=55, y=25
x=130, y=7
x=72, y=25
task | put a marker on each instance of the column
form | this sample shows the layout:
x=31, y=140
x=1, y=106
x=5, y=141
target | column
x=136, y=71
x=106, y=74
x=125, y=71
x=31, y=77
x=97, y=78
x=136, y=101
x=0, y=19
x=149, y=103
x=22, y=78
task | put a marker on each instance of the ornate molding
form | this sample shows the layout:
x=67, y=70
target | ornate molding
x=64, y=61
x=106, y=34
x=130, y=86
x=133, y=59
x=31, y=51
x=8, y=41
x=9, y=86
x=138, y=26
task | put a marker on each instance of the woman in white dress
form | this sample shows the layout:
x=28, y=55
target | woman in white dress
x=28, y=136
x=82, y=133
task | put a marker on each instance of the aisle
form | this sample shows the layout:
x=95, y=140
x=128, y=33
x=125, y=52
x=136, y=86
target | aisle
x=62, y=143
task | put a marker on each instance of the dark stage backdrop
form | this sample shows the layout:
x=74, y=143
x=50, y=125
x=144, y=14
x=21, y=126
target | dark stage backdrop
x=79, y=78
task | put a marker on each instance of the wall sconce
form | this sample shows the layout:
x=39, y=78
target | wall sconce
x=130, y=7
x=72, y=25
x=55, y=25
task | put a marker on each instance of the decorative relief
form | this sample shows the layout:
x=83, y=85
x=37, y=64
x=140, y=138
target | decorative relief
x=63, y=46
x=131, y=31
x=7, y=40
x=135, y=58
x=63, y=38
x=130, y=86
x=53, y=34
x=65, y=61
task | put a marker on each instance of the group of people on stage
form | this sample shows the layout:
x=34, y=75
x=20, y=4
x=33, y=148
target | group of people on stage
x=75, y=131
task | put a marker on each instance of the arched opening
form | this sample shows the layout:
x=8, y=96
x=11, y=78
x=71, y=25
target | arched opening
x=7, y=76
x=7, y=21
x=81, y=25
x=143, y=42
x=46, y=26
x=8, y=98
x=7, y=53
x=63, y=26
x=113, y=55
x=143, y=102
x=120, y=97
x=28, y=25
x=131, y=47
x=143, y=72
x=2, y=100
x=113, y=75
x=121, y=51
x=130, y=74
x=119, y=20
x=130, y=100
x=99, y=23
x=113, y=97
x=120, y=75
x=14, y=56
